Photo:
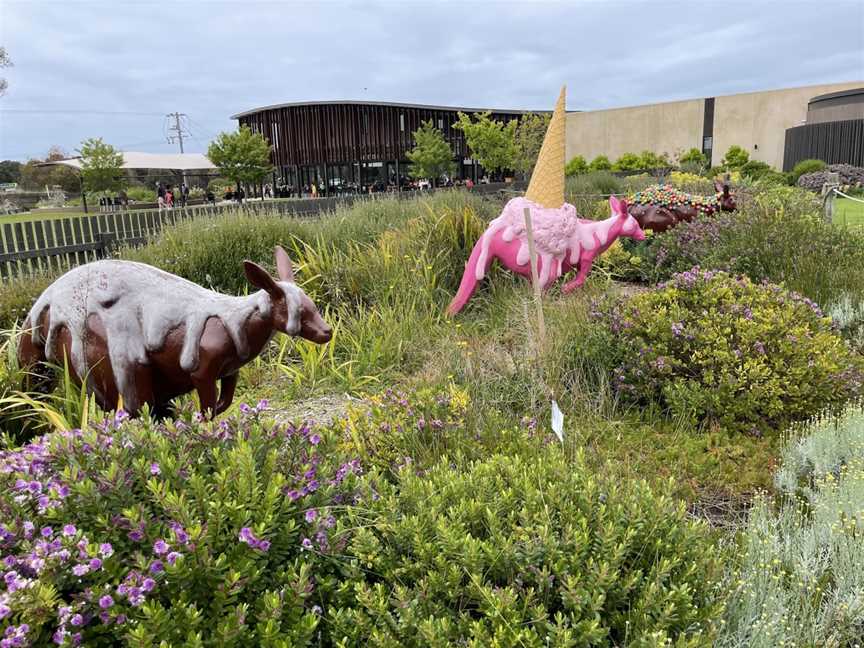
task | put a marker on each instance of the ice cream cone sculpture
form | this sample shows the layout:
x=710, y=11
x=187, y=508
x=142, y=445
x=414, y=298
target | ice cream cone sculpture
x=563, y=241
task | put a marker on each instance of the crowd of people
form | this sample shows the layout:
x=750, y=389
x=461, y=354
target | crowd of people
x=167, y=198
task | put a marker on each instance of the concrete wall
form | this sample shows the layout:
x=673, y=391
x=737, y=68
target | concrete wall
x=756, y=121
x=661, y=128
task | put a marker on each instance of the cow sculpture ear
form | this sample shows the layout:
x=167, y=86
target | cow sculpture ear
x=718, y=186
x=615, y=205
x=283, y=265
x=259, y=277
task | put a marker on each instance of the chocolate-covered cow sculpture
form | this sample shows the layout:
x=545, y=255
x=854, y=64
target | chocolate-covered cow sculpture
x=132, y=330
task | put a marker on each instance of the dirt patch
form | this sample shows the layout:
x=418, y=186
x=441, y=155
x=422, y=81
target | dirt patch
x=630, y=289
x=320, y=409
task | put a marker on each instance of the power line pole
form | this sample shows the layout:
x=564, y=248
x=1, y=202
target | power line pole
x=178, y=129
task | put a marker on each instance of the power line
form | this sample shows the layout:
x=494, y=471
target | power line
x=177, y=129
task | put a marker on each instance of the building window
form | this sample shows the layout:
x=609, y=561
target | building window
x=402, y=122
x=440, y=124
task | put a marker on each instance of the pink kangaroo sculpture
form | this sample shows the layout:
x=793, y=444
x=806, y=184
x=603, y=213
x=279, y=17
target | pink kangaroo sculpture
x=563, y=241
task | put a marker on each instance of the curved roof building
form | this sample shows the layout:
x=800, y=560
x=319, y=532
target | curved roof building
x=336, y=144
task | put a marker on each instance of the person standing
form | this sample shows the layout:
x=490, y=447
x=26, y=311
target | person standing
x=184, y=194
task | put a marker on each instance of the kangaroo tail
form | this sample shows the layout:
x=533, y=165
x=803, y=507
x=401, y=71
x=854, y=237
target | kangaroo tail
x=469, y=280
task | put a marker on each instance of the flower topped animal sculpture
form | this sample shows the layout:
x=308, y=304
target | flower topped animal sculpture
x=660, y=207
x=563, y=241
x=132, y=330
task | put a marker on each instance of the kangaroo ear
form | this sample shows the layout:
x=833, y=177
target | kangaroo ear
x=718, y=186
x=259, y=277
x=283, y=265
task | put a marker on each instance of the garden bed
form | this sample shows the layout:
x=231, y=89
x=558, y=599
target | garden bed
x=402, y=486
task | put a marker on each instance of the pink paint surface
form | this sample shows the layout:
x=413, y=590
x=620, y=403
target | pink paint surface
x=562, y=240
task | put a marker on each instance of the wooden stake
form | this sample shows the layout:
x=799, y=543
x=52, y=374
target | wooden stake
x=535, y=279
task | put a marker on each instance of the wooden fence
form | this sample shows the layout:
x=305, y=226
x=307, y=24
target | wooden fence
x=55, y=245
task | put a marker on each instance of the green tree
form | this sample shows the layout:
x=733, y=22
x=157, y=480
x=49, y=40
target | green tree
x=530, y=131
x=432, y=156
x=694, y=158
x=650, y=160
x=36, y=177
x=101, y=166
x=627, y=162
x=600, y=163
x=491, y=142
x=575, y=166
x=735, y=157
x=10, y=171
x=242, y=156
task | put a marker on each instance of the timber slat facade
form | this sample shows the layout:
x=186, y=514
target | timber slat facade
x=339, y=142
x=832, y=142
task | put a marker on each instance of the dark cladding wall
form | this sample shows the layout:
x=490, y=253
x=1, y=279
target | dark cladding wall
x=345, y=133
x=838, y=142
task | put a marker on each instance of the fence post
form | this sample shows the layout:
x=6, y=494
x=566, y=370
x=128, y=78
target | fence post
x=832, y=182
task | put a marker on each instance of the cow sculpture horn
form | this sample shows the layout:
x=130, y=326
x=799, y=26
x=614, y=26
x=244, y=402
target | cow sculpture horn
x=547, y=181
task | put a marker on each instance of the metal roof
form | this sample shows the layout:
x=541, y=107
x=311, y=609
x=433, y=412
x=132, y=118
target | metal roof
x=349, y=102
x=134, y=160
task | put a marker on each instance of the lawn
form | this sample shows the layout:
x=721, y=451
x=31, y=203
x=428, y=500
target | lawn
x=849, y=212
x=47, y=214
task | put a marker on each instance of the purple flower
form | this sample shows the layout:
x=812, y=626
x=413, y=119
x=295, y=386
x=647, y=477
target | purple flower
x=315, y=439
x=293, y=495
x=156, y=567
x=106, y=602
x=148, y=584
x=311, y=514
x=28, y=529
x=155, y=469
x=80, y=570
x=136, y=535
x=244, y=408
x=307, y=543
x=77, y=620
x=5, y=610
x=172, y=558
x=69, y=530
x=106, y=550
x=160, y=547
x=47, y=532
x=263, y=545
x=95, y=564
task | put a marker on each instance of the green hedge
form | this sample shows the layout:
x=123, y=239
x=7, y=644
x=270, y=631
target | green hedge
x=515, y=551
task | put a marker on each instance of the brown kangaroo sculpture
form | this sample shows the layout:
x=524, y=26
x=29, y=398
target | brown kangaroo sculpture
x=134, y=331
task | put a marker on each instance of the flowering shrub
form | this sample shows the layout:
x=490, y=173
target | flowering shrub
x=396, y=428
x=778, y=235
x=800, y=581
x=187, y=533
x=710, y=347
x=515, y=551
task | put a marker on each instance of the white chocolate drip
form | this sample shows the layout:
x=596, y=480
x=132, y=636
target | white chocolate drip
x=139, y=305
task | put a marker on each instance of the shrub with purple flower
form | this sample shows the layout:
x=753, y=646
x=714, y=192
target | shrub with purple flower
x=710, y=347
x=170, y=515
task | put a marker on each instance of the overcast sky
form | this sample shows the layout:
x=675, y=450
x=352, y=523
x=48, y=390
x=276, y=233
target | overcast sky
x=114, y=69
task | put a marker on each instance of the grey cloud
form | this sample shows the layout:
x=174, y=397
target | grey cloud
x=212, y=59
